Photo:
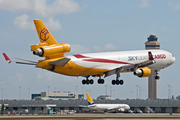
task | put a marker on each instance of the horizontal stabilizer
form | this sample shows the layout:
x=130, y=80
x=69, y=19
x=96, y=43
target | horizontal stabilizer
x=30, y=61
x=26, y=63
x=61, y=62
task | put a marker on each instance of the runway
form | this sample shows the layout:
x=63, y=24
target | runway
x=107, y=116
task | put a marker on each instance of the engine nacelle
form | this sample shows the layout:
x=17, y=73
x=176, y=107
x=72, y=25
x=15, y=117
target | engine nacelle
x=52, y=50
x=143, y=72
x=121, y=109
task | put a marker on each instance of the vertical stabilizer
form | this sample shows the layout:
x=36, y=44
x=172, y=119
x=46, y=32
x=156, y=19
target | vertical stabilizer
x=44, y=34
x=89, y=99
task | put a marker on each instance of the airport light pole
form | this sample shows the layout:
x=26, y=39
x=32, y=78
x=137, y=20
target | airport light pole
x=55, y=92
x=28, y=93
x=106, y=89
x=76, y=89
x=169, y=91
x=19, y=92
x=137, y=90
x=2, y=93
x=82, y=90
x=111, y=91
x=48, y=92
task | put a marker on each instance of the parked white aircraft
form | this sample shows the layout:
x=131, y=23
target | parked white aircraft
x=139, y=62
x=106, y=107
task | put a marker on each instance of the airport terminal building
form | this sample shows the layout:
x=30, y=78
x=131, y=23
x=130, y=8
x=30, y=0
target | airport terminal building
x=158, y=106
x=74, y=101
x=57, y=95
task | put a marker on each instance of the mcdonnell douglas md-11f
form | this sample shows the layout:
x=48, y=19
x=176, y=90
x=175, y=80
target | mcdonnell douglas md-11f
x=140, y=62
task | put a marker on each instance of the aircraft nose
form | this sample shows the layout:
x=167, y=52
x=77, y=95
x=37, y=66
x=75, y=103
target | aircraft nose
x=173, y=60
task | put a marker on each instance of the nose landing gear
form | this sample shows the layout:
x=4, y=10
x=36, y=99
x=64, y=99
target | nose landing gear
x=157, y=77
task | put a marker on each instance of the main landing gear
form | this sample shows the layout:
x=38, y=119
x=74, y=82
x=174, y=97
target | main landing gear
x=157, y=77
x=101, y=81
x=117, y=82
x=91, y=81
x=87, y=81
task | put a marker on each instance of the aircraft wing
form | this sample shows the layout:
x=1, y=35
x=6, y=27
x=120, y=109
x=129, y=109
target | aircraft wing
x=60, y=62
x=133, y=67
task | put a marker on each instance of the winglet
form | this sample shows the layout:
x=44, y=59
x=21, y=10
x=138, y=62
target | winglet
x=6, y=57
x=150, y=56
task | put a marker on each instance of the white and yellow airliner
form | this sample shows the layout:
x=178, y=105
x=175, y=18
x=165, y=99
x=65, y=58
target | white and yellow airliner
x=140, y=62
x=106, y=107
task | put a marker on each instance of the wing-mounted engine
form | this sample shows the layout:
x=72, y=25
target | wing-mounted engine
x=121, y=109
x=143, y=72
x=50, y=51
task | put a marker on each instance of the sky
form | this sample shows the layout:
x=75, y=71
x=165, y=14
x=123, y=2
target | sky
x=88, y=26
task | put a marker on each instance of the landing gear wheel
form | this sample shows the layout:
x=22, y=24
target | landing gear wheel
x=121, y=82
x=83, y=82
x=157, y=77
x=91, y=81
x=113, y=82
x=100, y=81
x=117, y=82
x=87, y=82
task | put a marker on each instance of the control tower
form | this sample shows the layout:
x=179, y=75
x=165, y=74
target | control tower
x=152, y=43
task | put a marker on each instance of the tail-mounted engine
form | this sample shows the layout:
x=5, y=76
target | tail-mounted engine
x=44, y=50
x=143, y=72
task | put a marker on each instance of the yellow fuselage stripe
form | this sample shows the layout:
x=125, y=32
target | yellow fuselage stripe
x=72, y=69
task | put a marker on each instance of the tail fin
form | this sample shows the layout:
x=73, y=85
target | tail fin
x=90, y=101
x=44, y=35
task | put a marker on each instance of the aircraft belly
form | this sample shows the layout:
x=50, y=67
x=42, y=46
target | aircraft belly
x=73, y=69
x=160, y=64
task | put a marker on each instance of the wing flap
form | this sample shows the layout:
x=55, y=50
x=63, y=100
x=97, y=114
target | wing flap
x=60, y=62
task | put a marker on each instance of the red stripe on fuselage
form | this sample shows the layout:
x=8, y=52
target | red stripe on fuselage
x=84, y=58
